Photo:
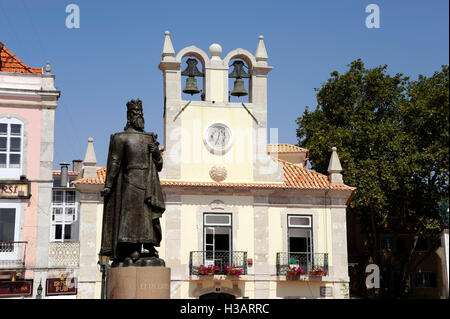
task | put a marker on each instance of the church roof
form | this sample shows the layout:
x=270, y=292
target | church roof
x=295, y=177
x=9, y=62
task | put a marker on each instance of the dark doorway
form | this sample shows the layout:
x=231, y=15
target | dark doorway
x=217, y=296
x=298, y=244
x=222, y=242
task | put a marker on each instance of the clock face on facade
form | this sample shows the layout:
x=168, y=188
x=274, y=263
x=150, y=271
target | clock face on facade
x=218, y=138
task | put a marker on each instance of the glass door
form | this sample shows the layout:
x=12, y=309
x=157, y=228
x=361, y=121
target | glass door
x=209, y=241
x=300, y=241
x=217, y=240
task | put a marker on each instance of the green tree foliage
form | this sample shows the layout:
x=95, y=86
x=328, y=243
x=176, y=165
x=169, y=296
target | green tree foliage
x=392, y=137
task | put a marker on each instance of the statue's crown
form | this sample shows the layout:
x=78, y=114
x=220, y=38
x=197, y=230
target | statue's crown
x=134, y=104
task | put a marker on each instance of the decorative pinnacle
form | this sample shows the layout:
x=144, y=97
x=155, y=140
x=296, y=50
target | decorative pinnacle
x=90, y=158
x=335, y=168
x=48, y=67
x=334, y=165
x=261, y=53
x=90, y=161
x=168, y=47
x=215, y=50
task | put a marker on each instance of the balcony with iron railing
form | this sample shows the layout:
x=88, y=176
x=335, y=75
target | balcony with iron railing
x=221, y=259
x=64, y=254
x=13, y=254
x=307, y=261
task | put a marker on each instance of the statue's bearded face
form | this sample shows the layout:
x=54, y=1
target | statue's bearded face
x=136, y=119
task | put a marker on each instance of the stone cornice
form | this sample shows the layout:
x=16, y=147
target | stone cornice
x=261, y=70
x=284, y=192
x=29, y=104
x=38, y=75
x=169, y=65
x=27, y=92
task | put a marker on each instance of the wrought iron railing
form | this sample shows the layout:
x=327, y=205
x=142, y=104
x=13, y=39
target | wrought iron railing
x=220, y=258
x=66, y=254
x=13, y=254
x=307, y=261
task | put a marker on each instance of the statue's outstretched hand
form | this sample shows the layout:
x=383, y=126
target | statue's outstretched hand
x=106, y=191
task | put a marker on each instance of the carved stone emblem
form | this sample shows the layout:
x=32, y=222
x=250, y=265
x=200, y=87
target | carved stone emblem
x=218, y=173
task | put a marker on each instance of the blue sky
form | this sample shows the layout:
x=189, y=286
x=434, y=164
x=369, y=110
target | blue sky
x=115, y=53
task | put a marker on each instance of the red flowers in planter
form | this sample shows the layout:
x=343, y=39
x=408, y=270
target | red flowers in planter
x=294, y=273
x=211, y=270
x=318, y=271
x=234, y=271
x=208, y=270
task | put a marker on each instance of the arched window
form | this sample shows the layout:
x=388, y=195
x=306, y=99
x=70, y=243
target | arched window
x=11, y=147
x=193, y=79
x=239, y=81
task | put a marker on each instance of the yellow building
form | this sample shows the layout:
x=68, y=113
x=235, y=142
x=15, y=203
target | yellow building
x=232, y=199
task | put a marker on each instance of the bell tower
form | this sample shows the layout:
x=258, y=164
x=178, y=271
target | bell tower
x=216, y=133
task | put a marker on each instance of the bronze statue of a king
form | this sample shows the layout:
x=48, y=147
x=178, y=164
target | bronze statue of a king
x=133, y=199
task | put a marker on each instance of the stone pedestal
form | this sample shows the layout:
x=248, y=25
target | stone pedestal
x=138, y=283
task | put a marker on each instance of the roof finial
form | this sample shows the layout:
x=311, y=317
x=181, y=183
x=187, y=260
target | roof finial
x=335, y=168
x=261, y=53
x=90, y=161
x=168, y=50
x=48, y=67
x=215, y=50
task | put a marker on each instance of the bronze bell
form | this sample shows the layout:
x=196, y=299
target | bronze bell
x=191, y=82
x=191, y=86
x=239, y=89
x=238, y=73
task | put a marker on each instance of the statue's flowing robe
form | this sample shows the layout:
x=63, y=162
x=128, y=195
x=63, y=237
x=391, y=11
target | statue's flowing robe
x=132, y=209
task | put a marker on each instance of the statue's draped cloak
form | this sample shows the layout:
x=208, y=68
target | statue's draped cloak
x=132, y=209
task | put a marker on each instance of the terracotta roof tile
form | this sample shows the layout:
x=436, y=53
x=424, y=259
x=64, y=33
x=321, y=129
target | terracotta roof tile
x=11, y=63
x=285, y=148
x=295, y=177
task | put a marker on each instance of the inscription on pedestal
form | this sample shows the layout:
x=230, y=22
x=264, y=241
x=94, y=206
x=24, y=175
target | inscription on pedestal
x=138, y=283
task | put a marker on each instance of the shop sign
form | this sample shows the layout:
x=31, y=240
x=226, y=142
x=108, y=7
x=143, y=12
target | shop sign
x=16, y=288
x=14, y=189
x=61, y=286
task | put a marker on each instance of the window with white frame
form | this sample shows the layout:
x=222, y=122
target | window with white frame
x=217, y=232
x=300, y=233
x=11, y=147
x=64, y=223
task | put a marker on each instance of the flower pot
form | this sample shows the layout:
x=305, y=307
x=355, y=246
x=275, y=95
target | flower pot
x=293, y=276
x=317, y=273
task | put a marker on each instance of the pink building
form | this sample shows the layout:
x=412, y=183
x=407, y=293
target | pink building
x=27, y=110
